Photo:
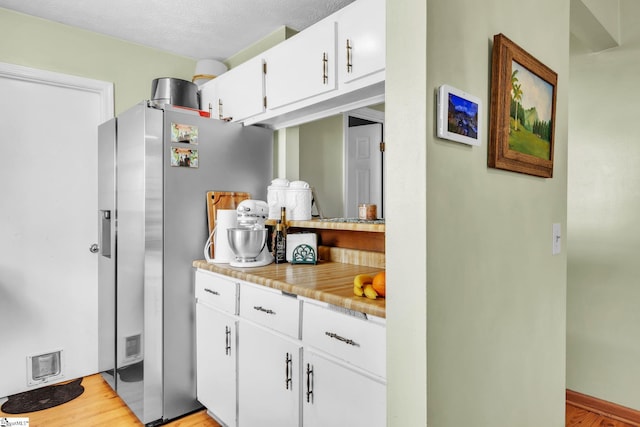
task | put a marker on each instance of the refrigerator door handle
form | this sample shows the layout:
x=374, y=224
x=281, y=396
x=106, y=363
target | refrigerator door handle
x=104, y=237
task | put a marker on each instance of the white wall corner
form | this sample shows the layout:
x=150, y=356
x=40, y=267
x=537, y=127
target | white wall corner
x=288, y=153
x=596, y=23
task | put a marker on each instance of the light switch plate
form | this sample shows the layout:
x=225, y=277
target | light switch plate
x=557, y=239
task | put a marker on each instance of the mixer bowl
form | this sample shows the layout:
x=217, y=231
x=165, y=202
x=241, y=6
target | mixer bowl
x=246, y=243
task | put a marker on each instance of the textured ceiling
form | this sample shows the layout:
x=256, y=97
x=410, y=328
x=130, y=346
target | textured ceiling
x=193, y=28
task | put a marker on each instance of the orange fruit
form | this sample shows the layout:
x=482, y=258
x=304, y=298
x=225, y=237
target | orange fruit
x=379, y=283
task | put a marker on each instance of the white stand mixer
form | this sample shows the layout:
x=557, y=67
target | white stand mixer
x=251, y=216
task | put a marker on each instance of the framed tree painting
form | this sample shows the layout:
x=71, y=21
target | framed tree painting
x=523, y=106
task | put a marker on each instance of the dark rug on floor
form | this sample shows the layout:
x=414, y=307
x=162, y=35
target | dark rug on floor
x=43, y=398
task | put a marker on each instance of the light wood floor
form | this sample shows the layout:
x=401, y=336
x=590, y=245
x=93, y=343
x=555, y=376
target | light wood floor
x=100, y=406
x=583, y=418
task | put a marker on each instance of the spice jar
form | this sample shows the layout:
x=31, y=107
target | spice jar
x=367, y=211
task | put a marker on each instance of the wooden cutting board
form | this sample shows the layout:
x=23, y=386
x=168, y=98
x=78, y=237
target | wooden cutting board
x=221, y=200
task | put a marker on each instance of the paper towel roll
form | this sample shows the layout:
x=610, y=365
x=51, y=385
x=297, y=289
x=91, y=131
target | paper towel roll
x=225, y=219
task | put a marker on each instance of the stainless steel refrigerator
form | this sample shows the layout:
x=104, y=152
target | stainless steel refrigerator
x=155, y=168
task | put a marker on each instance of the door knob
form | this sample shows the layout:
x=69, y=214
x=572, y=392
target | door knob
x=94, y=248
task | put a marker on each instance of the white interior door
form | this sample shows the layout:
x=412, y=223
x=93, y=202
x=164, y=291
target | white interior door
x=364, y=166
x=48, y=220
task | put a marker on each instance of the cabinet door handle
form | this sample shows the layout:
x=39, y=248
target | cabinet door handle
x=220, y=113
x=343, y=339
x=287, y=371
x=309, y=384
x=211, y=291
x=227, y=340
x=349, y=64
x=325, y=68
x=264, y=310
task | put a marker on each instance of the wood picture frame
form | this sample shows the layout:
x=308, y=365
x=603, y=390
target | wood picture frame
x=523, y=107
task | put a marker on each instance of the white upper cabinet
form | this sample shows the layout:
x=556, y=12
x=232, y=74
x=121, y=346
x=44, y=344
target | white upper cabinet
x=237, y=94
x=361, y=40
x=335, y=65
x=302, y=66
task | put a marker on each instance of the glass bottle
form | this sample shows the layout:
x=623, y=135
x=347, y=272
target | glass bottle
x=280, y=244
x=281, y=237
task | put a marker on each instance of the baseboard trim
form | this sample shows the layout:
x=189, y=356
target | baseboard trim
x=599, y=406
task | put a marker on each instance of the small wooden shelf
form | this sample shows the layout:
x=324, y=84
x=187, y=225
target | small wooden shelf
x=349, y=234
x=337, y=224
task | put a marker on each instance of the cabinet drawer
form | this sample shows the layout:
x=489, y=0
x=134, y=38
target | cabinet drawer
x=357, y=341
x=271, y=308
x=215, y=291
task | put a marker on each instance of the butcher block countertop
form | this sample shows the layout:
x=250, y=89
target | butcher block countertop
x=327, y=281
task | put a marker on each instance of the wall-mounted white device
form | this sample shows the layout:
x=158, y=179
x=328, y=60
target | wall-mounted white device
x=459, y=116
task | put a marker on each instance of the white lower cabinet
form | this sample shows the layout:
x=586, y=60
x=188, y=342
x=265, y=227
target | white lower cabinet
x=344, y=367
x=216, y=345
x=269, y=358
x=268, y=378
x=216, y=363
x=266, y=358
x=338, y=396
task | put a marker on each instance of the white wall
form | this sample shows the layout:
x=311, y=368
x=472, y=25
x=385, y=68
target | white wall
x=51, y=46
x=406, y=115
x=321, y=162
x=603, y=316
x=475, y=254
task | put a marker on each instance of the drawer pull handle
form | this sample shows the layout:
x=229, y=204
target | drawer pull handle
x=264, y=310
x=287, y=371
x=343, y=339
x=211, y=291
x=309, y=384
x=227, y=340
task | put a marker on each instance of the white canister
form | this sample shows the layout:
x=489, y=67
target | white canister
x=277, y=196
x=299, y=201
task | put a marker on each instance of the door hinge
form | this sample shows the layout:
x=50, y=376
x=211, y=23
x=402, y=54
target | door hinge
x=264, y=102
x=264, y=68
x=382, y=147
